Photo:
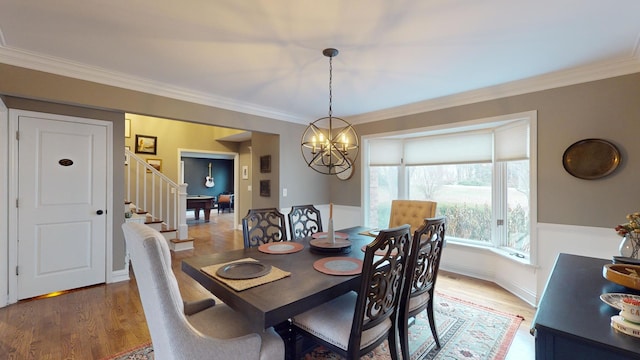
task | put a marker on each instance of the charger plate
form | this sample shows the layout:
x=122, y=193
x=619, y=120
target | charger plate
x=323, y=235
x=282, y=247
x=324, y=246
x=243, y=270
x=338, y=265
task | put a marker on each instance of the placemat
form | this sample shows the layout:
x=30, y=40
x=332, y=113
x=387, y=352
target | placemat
x=370, y=232
x=239, y=285
x=379, y=252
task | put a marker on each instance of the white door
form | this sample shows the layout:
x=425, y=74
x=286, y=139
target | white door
x=62, y=169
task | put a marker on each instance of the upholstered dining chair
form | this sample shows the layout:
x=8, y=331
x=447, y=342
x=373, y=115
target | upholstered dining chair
x=412, y=212
x=189, y=332
x=262, y=226
x=357, y=322
x=304, y=220
x=421, y=281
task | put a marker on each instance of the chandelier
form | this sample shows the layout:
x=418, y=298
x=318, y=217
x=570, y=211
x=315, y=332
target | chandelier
x=330, y=144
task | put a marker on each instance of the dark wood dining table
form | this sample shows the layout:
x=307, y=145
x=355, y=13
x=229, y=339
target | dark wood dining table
x=272, y=304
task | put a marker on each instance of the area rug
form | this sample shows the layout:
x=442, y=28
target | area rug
x=467, y=331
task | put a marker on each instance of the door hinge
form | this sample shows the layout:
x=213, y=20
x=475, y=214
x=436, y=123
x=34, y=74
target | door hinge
x=500, y=222
x=17, y=203
x=17, y=270
x=18, y=135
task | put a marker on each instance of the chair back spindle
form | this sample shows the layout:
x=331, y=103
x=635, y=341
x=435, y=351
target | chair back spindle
x=262, y=226
x=304, y=220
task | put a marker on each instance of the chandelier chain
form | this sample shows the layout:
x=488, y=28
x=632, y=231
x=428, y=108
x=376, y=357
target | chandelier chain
x=330, y=80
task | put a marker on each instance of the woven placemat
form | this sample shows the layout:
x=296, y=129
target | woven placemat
x=239, y=285
x=368, y=233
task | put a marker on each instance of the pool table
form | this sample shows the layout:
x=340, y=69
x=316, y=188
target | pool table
x=197, y=202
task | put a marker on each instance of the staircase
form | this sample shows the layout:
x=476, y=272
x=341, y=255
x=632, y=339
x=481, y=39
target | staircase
x=155, y=200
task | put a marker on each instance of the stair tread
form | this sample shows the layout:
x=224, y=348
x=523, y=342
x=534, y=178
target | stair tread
x=181, y=240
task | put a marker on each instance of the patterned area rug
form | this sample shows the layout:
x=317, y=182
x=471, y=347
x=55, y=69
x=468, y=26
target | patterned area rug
x=466, y=330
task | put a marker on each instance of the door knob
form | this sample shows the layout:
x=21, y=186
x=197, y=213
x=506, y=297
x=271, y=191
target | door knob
x=99, y=212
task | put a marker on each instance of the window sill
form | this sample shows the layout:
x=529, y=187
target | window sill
x=502, y=252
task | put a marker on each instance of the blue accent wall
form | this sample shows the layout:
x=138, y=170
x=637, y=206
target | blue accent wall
x=196, y=171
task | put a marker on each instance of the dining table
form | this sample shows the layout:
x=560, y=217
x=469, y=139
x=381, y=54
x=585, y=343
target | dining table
x=273, y=303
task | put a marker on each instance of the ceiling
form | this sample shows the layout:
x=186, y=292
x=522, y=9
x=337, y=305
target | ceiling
x=264, y=57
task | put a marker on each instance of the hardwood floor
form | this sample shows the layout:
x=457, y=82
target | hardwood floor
x=102, y=320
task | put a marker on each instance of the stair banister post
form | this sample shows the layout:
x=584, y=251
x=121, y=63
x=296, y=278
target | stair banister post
x=183, y=232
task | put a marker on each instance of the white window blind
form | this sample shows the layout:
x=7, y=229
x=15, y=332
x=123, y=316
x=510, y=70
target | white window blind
x=459, y=148
x=512, y=141
x=385, y=152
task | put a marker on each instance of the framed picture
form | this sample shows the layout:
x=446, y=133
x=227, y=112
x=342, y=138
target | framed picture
x=265, y=164
x=127, y=128
x=155, y=163
x=126, y=156
x=265, y=188
x=245, y=172
x=146, y=144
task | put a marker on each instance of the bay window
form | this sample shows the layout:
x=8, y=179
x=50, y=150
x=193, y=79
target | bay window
x=480, y=174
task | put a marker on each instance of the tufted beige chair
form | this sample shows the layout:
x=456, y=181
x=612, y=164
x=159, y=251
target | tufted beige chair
x=412, y=212
x=182, y=332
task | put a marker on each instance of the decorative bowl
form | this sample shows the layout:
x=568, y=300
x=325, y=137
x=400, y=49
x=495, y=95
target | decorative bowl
x=623, y=274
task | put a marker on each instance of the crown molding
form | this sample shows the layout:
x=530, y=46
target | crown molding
x=80, y=71
x=538, y=83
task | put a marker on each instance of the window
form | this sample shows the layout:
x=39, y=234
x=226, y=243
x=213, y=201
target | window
x=480, y=173
x=463, y=194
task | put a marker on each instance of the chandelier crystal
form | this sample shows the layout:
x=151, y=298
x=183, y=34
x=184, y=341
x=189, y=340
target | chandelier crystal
x=330, y=144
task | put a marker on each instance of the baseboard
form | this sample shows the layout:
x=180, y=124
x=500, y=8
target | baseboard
x=120, y=275
x=525, y=295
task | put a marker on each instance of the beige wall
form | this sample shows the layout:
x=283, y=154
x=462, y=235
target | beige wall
x=173, y=135
x=608, y=109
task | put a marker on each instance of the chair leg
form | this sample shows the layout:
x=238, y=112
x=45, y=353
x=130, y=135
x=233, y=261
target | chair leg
x=404, y=337
x=432, y=323
x=392, y=339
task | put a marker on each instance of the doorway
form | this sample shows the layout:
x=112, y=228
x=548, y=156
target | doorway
x=202, y=172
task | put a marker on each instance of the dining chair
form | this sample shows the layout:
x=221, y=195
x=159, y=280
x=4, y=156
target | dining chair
x=304, y=220
x=421, y=280
x=262, y=226
x=412, y=212
x=355, y=323
x=202, y=330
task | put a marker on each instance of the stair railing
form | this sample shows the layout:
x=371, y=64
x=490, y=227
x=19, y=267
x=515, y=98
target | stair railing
x=153, y=193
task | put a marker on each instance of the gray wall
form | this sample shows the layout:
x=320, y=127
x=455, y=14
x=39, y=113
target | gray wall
x=85, y=97
x=608, y=109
